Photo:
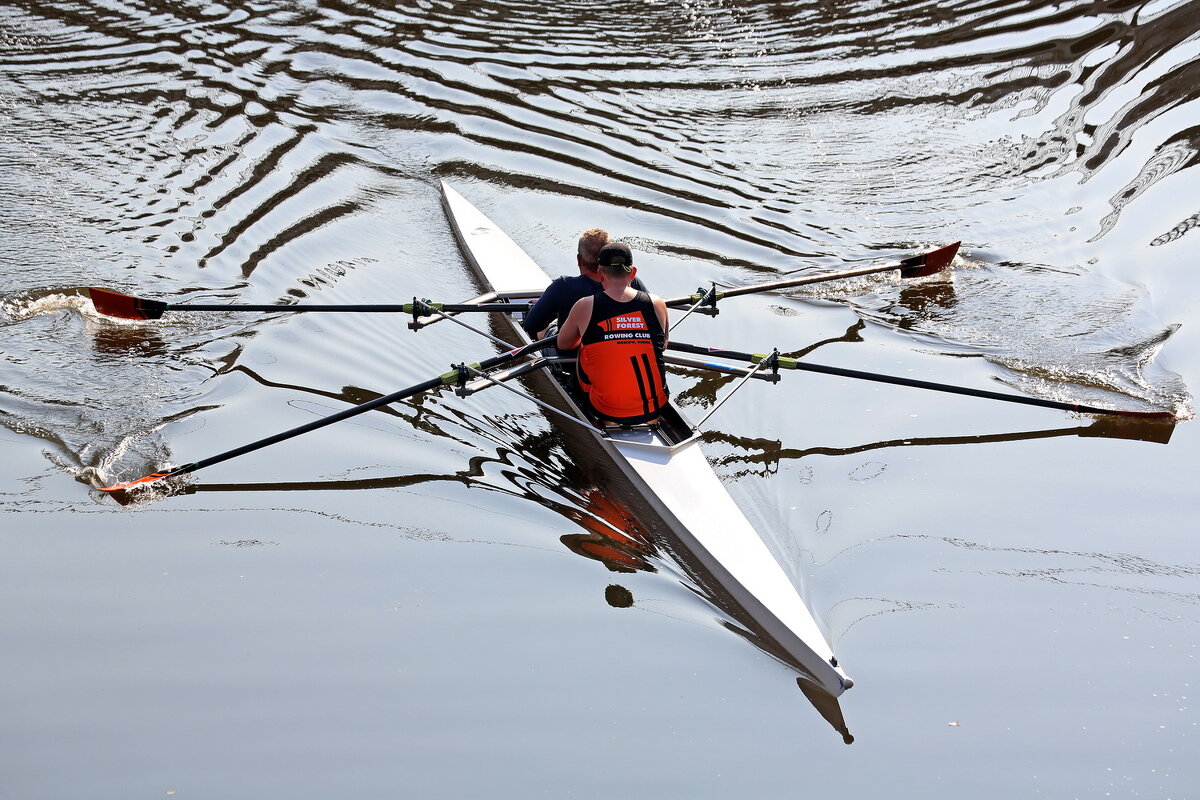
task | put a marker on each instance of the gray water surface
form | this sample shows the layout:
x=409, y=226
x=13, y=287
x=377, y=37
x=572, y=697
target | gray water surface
x=433, y=600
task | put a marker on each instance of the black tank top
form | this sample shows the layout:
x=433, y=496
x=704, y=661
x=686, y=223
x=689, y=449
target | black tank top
x=620, y=359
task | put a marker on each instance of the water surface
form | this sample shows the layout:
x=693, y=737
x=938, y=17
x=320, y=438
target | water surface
x=429, y=601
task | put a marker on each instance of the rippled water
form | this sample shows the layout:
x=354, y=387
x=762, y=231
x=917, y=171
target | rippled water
x=397, y=605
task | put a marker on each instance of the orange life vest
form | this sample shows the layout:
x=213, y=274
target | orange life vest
x=620, y=359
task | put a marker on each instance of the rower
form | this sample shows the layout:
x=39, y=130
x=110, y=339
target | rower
x=562, y=293
x=621, y=333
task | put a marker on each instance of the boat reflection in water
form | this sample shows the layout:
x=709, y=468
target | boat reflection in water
x=614, y=537
x=617, y=540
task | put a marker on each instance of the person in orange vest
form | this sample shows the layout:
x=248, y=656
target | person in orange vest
x=620, y=333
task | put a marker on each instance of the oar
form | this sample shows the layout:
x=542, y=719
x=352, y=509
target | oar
x=450, y=378
x=920, y=266
x=792, y=363
x=115, y=304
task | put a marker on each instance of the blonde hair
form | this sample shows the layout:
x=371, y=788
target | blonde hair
x=591, y=242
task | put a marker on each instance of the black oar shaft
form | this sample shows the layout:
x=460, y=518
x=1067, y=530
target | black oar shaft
x=919, y=266
x=123, y=306
x=405, y=308
x=444, y=379
x=942, y=387
x=792, y=363
x=432, y=383
x=789, y=283
x=734, y=355
x=695, y=363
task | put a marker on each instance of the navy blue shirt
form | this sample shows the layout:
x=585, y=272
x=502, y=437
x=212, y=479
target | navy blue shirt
x=556, y=302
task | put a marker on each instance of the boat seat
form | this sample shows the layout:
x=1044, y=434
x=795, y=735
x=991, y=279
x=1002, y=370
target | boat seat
x=641, y=427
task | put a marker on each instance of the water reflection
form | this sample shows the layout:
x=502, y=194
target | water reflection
x=921, y=301
x=141, y=341
x=758, y=456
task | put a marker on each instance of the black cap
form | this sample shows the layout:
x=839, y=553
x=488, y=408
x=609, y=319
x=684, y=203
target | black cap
x=616, y=254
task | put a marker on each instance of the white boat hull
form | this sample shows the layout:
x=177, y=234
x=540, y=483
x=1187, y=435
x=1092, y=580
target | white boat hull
x=673, y=476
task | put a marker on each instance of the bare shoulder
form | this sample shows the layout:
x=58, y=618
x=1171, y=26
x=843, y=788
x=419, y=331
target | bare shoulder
x=660, y=310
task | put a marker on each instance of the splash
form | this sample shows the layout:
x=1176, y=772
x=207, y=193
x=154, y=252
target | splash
x=33, y=304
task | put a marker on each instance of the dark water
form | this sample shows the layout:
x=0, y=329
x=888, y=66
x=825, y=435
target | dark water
x=414, y=603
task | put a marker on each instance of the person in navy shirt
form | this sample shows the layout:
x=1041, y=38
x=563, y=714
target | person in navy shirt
x=562, y=293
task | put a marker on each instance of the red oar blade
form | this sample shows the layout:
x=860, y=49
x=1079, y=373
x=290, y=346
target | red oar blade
x=127, y=485
x=929, y=263
x=114, y=304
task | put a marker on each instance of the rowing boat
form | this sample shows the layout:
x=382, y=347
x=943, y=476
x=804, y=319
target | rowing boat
x=666, y=465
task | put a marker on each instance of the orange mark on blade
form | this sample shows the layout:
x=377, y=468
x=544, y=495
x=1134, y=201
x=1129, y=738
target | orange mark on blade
x=120, y=487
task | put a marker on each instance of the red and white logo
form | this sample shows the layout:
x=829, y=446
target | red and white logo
x=623, y=323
